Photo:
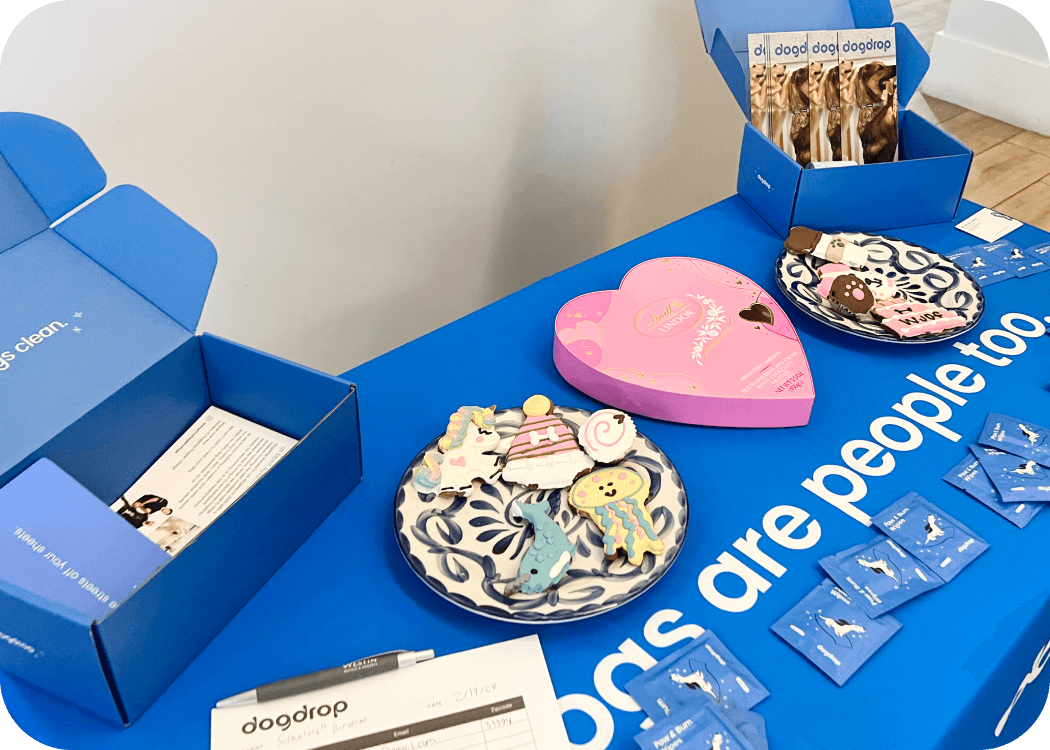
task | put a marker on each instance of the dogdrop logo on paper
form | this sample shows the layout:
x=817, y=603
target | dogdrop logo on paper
x=824, y=49
x=794, y=50
x=871, y=45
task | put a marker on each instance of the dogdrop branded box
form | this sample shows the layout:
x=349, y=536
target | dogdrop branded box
x=100, y=372
x=923, y=187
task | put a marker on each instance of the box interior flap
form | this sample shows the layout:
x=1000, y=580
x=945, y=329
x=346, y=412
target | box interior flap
x=71, y=335
x=49, y=171
x=148, y=248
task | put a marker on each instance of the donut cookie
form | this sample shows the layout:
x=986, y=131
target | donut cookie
x=614, y=498
x=464, y=454
x=546, y=562
x=544, y=454
x=607, y=435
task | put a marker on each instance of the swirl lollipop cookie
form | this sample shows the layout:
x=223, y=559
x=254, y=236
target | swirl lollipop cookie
x=607, y=435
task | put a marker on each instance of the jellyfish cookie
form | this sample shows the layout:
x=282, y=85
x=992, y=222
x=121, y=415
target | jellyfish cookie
x=464, y=454
x=544, y=454
x=607, y=435
x=546, y=562
x=614, y=498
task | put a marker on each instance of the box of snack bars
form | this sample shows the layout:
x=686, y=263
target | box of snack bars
x=758, y=61
x=825, y=115
x=789, y=94
x=868, y=95
x=918, y=179
x=103, y=377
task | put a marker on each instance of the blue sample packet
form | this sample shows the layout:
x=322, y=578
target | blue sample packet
x=934, y=537
x=705, y=728
x=879, y=575
x=976, y=266
x=1040, y=255
x=1018, y=436
x=1017, y=260
x=993, y=253
x=700, y=673
x=1017, y=479
x=830, y=630
x=970, y=477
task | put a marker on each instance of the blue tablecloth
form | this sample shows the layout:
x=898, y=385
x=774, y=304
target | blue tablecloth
x=348, y=592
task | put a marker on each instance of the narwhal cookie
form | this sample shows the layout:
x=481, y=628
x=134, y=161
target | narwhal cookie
x=607, y=435
x=546, y=562
x=614, y=498
x=544, y=454
x=466, y=452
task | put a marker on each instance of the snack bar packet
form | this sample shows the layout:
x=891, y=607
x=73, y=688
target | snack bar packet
x=758, y=60
x=830, y=630
x=879, y=575
x=701, y=672
x=704, y=728
x=825, y=115
x=868, y=94
x=970, y=477
x=789, y=93
x=1017, y=479
x=934, y=537
x=1026, y=439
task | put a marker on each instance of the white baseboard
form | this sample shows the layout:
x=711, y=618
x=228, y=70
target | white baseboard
x=991, y=82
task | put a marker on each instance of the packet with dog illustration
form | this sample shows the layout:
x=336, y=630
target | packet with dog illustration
x=1017, y=436
x=758, y=60
x=1016, y=479
x=697, y=674
x=868, y=94
x=879, y=575
x=702, y=729
x=825, y=115
x=789, y=93
x=940, y=541
x=830, y=630
x=970, y=477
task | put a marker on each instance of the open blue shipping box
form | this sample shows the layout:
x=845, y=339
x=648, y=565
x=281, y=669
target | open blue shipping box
x=100, y=372
x=923, y=187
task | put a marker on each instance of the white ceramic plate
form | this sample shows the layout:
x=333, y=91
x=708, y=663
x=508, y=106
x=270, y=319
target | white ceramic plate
x=468, y=549
x=920, y=274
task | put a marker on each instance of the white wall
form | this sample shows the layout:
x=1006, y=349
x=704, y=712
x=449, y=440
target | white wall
x=989, y=58
x=370, y=171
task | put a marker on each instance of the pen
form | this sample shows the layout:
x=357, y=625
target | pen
x=355, y=670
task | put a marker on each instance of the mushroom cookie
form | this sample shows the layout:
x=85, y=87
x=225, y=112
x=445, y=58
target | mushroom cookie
x=614, y=498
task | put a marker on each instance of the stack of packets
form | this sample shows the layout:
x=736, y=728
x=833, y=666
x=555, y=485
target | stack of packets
x=699, y=697
x=826, y=97
x=1008, y=469
x=838, y=628
x=1001, y=260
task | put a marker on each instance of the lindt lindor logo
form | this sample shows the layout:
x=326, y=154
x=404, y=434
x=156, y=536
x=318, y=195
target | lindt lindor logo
x=26, y=343
x=795, y=50
x=284, y=721
x=667, y=317
x=882, y=45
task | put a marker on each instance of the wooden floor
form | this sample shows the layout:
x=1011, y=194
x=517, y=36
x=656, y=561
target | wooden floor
x=1011, y=166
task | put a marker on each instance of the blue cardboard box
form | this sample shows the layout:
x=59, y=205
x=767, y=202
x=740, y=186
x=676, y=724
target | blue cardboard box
x=100, y=372
x=923, y=187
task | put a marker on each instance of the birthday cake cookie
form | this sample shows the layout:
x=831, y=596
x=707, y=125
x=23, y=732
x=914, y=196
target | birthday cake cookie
x=544, y=454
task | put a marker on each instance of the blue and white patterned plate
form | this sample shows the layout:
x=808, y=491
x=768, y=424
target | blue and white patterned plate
x=468, y=549
x=920, y=274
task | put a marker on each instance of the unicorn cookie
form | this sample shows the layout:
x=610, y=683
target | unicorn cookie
x=546, y=562
x=544, y=454
x=463, y=454
x=614, y=498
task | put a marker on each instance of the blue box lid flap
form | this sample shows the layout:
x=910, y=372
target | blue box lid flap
x=47, y=171
x=726, y=23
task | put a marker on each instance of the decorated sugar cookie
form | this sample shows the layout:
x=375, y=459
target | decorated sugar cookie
x=464, y=454
x=544, y=454
x=607, y=435
x=546, y=562
x=614, y=498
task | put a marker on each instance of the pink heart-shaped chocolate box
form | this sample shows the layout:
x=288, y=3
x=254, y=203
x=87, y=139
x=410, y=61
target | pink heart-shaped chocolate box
x=689, y=341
